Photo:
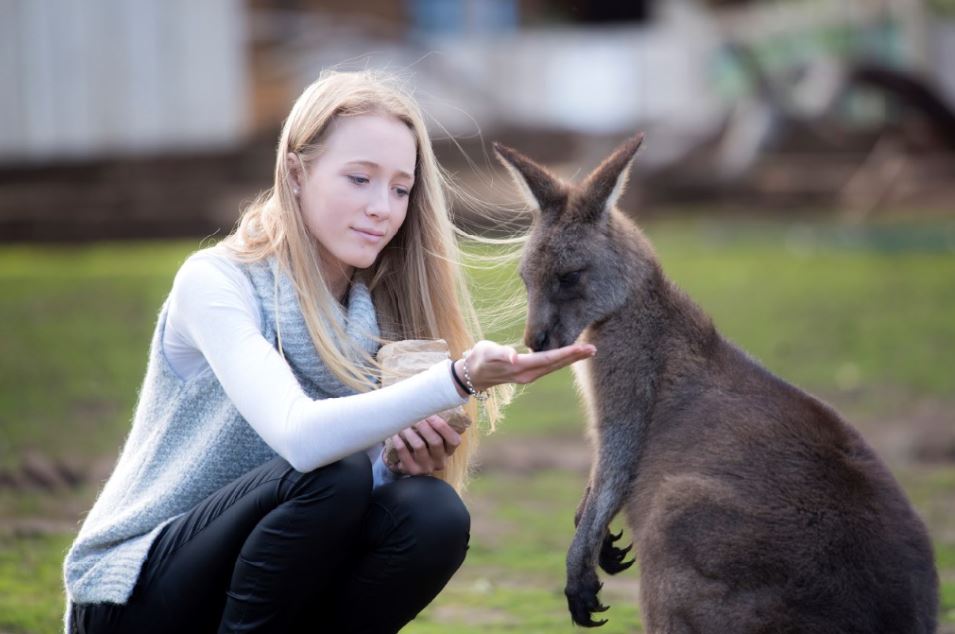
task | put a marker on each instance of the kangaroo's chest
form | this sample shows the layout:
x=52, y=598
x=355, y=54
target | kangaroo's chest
x=584, y=380
x=614, y=385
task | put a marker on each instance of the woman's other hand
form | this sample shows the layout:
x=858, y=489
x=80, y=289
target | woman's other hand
x=424, y=447
x=491, y=364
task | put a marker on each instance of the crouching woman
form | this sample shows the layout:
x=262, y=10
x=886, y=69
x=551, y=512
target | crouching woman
x=250, y=494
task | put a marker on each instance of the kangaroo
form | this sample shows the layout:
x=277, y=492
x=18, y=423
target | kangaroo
x=754, y=506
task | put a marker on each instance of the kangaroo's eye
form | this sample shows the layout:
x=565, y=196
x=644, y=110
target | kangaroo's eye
x=567, y=280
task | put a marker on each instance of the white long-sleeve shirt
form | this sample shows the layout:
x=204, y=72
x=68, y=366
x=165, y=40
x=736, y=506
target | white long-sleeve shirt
x=213, y=321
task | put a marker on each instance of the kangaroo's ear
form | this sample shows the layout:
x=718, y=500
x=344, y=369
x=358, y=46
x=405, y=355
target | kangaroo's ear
x=606, y=183
x=540, y=188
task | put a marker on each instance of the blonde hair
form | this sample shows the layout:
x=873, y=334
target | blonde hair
x=417, y=282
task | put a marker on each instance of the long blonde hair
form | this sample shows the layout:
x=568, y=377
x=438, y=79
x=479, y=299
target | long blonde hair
x=417, y=282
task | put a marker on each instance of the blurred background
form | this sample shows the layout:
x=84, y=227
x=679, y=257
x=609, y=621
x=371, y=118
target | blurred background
x=797, y=180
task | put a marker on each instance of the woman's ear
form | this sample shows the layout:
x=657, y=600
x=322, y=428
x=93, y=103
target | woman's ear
x=294, y=166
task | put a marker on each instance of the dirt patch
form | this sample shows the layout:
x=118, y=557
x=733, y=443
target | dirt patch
x=525, y=455
x=43, y=495
x=924, y=437
x=470, y=615
x=37, y=472
x=925, y=434
x=35, y=527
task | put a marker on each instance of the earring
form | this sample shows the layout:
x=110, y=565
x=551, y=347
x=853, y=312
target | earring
x=295, y=190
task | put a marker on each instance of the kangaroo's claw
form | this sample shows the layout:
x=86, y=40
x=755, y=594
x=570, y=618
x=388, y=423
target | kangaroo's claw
x=612, y=558
x=583, y=603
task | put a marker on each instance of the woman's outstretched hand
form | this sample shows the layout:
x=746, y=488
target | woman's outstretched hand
x=425, y=447
x=491, y=364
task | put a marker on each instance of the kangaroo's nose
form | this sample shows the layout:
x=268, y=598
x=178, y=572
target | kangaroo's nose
x=537, y=341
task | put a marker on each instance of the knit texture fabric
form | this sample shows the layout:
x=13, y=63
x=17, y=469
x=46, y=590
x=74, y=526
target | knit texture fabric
x=187, y=440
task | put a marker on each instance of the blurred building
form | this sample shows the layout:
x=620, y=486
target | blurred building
x=158, y=117
x=120, y=77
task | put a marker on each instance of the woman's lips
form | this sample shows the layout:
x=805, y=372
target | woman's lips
x=371, y=237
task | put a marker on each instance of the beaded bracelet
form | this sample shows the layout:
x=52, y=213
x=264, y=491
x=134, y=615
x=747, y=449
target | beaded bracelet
x=458, y=380
x=481, y=396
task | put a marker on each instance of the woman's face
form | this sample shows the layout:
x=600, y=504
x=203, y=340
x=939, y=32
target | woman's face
x=354, y=196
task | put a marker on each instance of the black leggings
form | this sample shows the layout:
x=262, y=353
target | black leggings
x=277, y=550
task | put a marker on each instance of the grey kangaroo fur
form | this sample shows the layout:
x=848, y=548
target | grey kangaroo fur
x=754, y=507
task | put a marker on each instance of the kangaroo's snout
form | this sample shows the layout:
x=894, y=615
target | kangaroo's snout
x=537, y=339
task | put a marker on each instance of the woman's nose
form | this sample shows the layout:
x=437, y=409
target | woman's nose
x=378, y=206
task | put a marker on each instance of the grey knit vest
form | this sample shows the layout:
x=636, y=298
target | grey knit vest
x=187, y=440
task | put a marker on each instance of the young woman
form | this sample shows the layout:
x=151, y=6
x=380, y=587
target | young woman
x=250, y=494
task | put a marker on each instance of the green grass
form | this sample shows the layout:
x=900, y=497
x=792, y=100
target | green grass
x=862, y=316
x=77, y=324
x=513, y=578
x=30, y=596
x=827, y=307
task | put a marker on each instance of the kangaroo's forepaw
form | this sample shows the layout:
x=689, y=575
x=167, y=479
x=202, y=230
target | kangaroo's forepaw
x=611, y=557
x=582, y=602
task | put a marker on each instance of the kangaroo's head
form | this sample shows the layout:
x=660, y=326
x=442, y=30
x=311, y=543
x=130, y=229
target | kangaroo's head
x=582, y=258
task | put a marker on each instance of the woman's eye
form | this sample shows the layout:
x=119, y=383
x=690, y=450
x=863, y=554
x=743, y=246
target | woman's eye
x=358, y=180
x=401, y=191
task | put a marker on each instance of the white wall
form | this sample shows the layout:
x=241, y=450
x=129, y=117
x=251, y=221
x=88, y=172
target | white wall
x=82, y=78
x=942, y=55
x=593, y=79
